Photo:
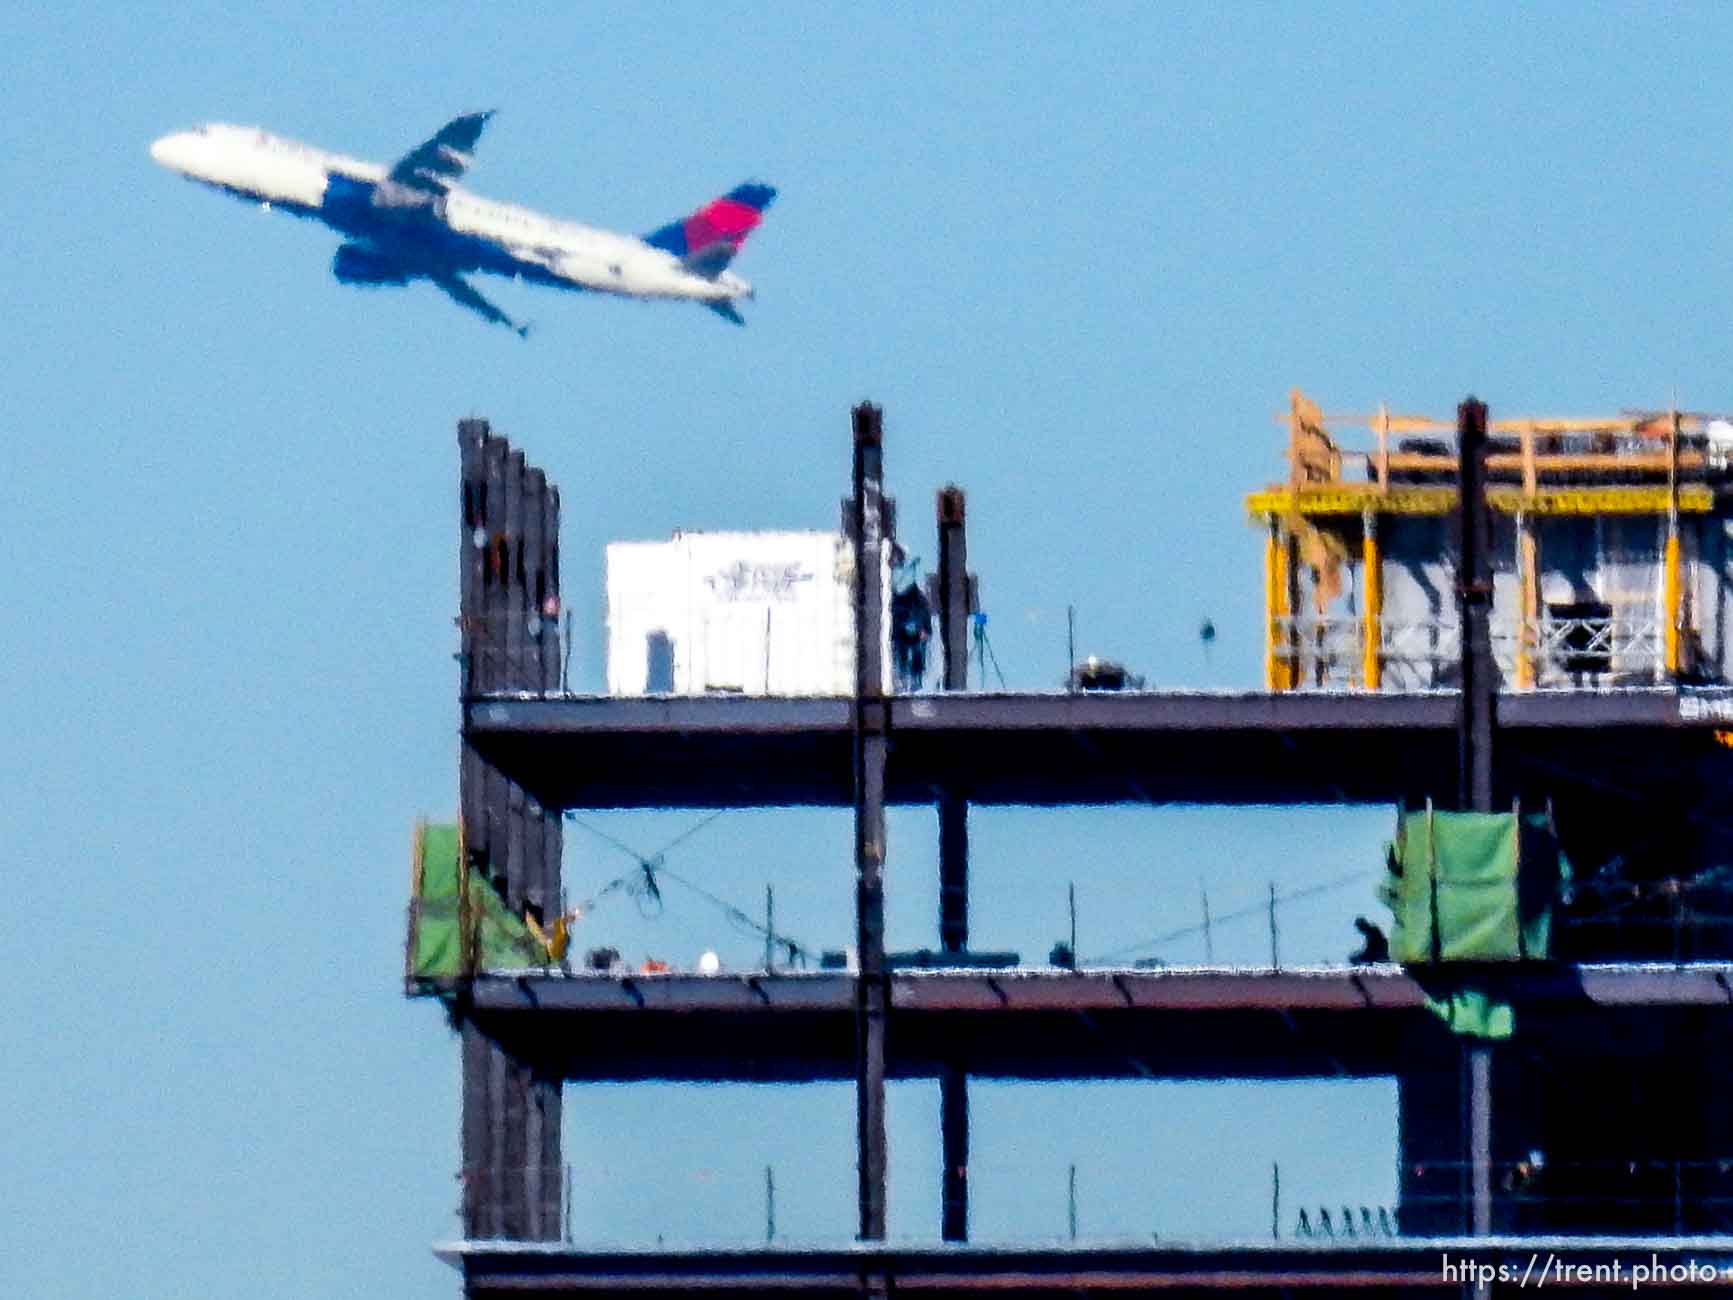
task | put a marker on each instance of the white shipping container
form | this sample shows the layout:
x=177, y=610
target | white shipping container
x=735, y=613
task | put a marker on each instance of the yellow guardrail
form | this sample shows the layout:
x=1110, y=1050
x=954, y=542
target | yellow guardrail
x=1694, y=498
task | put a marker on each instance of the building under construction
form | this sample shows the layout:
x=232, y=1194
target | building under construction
x=1514, y=630
x=1609, y=550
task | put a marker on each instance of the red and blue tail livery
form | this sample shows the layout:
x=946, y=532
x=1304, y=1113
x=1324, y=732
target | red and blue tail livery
x=727, y=220
x=414, y=221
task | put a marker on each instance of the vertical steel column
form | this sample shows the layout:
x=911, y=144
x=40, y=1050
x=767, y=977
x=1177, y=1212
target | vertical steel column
x=511, y=1124
x=872, y=990
x=1528, y=567
x=510, y=602
x=1672, y=596
x=1292, y=567
x=479, y=1165
x=1431, y=1134
x=548, y=589
x=954, y=633
x=1474, y=606
x=1528, y=575
x=487, y=833
x=954, y=1134
x=511, y=1115
x=1372, y=613
x=530, y=579
x=954, y=587
x=1474, y=746
x=954, y=858
x=523, y=887
x=1278, y=666
x=542, y=672
x=953, y=870
x=1480, y=1136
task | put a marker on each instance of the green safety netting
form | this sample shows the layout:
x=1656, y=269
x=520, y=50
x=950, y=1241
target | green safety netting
x=1471, y=888
x=444, y=937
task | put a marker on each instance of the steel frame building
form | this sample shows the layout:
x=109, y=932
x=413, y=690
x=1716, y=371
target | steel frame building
x=1611, y=535
x=1618, y=764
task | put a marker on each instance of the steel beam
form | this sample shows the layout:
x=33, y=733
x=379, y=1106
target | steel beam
x=954, y=1078
x=491, y=456
x=1051, y=1024
x=954, y=1132
x=511, y=1120
x=1703, y=986
x=953, y=870
x=1373, y=1269
x=954, y=611
x=479, y=1166
x=1475, y=727
x=506, y=714
x=511, y=1116
x=509, y=586
x=953, y=803
x=870, y=724
x=954, y=587
x=1479, y=676
x=1480, y=1136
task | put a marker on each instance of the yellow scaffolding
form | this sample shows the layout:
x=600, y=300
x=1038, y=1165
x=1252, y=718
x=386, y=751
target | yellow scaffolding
x=1372, y=606
x=1634, y=462
x=1278, y=615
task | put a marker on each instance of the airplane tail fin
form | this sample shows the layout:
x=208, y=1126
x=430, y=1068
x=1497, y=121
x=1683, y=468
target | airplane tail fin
x=729, y=219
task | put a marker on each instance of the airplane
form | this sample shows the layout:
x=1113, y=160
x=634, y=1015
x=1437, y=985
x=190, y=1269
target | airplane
x=412, y=221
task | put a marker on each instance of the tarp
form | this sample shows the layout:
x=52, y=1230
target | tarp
x=435, y=939
x=1471, y=888
x=1473, y=1012
x=444, y=936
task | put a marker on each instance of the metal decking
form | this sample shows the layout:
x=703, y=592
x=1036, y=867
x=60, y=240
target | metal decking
x=1638, y=777
x=1058, y=749
x=1045, y=1023
x=1397, y=1267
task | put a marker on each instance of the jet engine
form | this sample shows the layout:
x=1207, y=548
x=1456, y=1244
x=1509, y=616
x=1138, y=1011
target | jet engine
x=356, y=265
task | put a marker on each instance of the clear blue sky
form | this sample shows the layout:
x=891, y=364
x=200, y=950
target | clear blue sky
x=1079, y=257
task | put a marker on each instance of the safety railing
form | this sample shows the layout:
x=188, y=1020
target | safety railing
x=1569, y=649
x=726, y=1203
x=1557, y=653
x=1661, y=921
x=1315, y=653
x=1633, y=1196
x=738, y=1204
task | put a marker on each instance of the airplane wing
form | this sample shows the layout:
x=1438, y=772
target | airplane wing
x=463, y=294
x=727, y=310
x=437, y=163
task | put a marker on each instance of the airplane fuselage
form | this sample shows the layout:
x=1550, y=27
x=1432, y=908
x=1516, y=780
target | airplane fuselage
x=404, y=231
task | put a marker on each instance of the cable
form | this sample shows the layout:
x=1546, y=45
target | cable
x=740, y=918
x=640, y=858
x=987, y=646
x=603, y=835
x=654, y=868
x=1239, y=914
x=1710, y=821
x=688, y=833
